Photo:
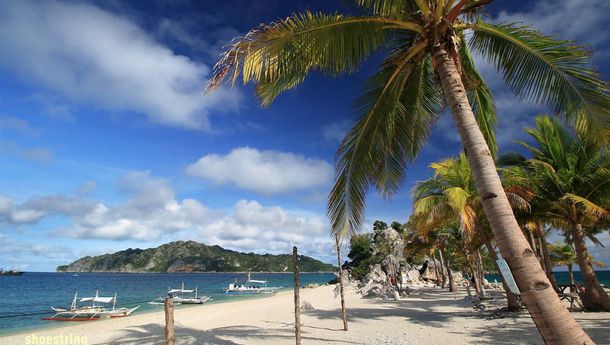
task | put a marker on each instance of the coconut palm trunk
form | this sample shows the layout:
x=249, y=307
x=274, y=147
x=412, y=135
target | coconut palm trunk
x=452, y=286
x=547, y=259
x=571, y=276
x=481, y=273
x=511, y=300
x=474, y=277
x=594, y=297
x=443, y=276
x=437, y=270
x=552, y=318
x=343, y=310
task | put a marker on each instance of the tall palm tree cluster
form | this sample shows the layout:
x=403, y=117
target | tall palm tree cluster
x=564, y=186
x=428, y=67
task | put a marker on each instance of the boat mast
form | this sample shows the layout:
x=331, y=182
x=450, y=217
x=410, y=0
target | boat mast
x=114, y=301
x=73, y=305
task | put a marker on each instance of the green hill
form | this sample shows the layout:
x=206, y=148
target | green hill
x=191, y=256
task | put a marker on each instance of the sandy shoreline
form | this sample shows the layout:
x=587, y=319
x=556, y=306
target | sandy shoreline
x=429, y=317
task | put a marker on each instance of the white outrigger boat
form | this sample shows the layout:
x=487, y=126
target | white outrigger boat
x=95, y=311
x=178, y=296
x=249, y=287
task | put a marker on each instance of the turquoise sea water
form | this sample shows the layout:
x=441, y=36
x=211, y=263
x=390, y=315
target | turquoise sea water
x=34, y=293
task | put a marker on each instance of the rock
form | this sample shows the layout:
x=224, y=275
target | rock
x=311, y=286
x=306, y=306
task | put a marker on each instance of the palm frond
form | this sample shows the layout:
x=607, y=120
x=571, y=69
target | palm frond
x=389, y=8
x=397, y=111
x=545, y=70
x=590, y=207
x=282, y=53
x=457, y=198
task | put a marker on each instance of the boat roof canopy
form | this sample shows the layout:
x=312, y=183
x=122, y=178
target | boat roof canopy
x=97, y=299
x=180, y=291
x=257, y=281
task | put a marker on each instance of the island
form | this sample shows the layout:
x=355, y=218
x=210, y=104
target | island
x=191, y=256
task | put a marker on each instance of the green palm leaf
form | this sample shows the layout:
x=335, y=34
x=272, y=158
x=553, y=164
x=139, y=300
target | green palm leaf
x=545, y=70
x=397, y=112
x=280, y=55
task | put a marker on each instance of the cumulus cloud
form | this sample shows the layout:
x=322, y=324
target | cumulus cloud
x=265, y=172
x=97, y=57
x=150, y=211
x=550, y=18
x=250, y=226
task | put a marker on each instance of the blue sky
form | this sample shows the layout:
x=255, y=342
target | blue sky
x=106, y=141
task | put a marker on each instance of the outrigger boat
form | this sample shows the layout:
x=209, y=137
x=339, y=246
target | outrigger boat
x=249, y=287
x=178, y=296
x=95, y=311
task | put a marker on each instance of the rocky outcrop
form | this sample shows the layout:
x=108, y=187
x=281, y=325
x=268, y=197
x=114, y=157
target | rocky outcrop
x=191, y=256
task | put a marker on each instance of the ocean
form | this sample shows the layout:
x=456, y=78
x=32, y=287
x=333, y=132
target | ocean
x=34, y=293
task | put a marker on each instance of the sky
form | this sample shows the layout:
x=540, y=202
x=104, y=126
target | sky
x=107, y=141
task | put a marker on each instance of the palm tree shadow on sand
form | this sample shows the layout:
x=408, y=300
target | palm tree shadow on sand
x=153, y=334
x=425, y=309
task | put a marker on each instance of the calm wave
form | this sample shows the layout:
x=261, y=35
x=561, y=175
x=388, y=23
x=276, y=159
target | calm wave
x=37, y=292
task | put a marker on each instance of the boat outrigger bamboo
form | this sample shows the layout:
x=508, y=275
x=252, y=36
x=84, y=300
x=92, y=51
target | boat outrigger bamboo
x=178, y=296
x=95, y=311
x=249, y=288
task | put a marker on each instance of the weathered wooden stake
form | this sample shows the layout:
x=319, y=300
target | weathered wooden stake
x=343, y=311
x=169, y=321
x=297, y=299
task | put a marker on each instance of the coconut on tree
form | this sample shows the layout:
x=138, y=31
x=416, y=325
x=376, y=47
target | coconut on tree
x=427, y=65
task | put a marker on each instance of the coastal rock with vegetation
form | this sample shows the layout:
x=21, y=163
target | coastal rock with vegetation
x=191, y=256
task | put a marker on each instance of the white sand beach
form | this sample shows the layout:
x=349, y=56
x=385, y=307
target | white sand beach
x=431, y=316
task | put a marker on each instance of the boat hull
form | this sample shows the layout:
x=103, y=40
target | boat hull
x=90, y=316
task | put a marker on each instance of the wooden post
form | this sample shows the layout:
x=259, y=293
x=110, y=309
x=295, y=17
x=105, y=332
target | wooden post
x=343, y=311
x=297, y=299
x=169, y=320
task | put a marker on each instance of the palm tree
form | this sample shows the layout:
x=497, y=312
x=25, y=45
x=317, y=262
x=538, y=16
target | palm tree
x=340, y=272
x=449, y=197
x=427, y=64
x=572, y=178
x=562, y=254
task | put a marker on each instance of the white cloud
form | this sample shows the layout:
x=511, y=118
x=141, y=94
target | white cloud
x=151, y=212
x=97, y=57
x=253, y=227
x=550, y=17
x=38, y=154
x=21, y=126
x=336, y=131
x=265, y=172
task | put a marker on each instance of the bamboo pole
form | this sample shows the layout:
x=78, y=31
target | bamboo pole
x=169, y=320
x=343, y=310
x=297, y=299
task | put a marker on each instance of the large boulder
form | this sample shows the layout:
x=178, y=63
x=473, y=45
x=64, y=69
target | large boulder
x=375, y=284
x=411, y=277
